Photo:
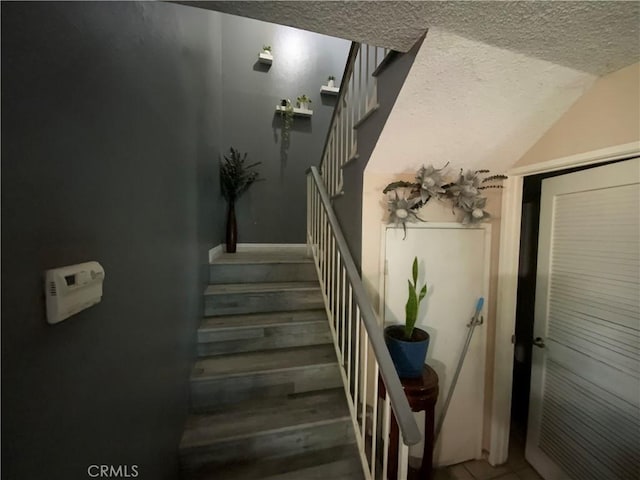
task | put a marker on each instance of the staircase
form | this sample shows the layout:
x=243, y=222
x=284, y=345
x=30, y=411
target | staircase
x=267, y=398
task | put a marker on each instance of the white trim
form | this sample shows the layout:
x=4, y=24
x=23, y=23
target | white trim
x=508, y=260
x=508, y=283
x=215, y=252
x=482, y=333
x=596, y=156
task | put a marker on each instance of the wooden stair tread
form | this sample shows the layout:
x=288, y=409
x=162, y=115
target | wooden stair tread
x=302, y=466
x=263, y=361
x=259, y=320
x=345, y=469
x=267, y=399
x=259, y=418
x=226, y=289
x=261, y=257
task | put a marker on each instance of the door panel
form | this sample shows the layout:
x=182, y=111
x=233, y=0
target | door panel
x=584, y=416
x=454, y=261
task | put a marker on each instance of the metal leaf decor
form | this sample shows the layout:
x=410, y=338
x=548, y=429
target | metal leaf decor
x=464, y=193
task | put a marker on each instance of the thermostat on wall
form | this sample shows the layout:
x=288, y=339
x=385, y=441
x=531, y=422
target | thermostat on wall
x=71, y=289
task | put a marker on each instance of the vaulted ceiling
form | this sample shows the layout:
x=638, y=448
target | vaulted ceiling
x=490, y=77
x=593, y=37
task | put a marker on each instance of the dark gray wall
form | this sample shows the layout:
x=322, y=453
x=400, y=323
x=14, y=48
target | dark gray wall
x=274, y=211
x=348, y=207
x=110, y=114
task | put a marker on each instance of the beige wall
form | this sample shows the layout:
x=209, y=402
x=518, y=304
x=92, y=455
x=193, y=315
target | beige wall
x=607, y=115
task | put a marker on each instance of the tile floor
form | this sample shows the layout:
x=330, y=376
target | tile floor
x=516, y=468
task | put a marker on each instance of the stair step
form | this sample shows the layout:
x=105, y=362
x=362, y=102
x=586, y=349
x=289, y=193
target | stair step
x=336, y=463
x=386, y=61
x=262, y=270
x=239, y=298
x=266, y=331
x=257, y=418
x=262, y=430
x=266, y=392
x=366, y=116
x=293, y=254
x=348, y=468
x=220, y=380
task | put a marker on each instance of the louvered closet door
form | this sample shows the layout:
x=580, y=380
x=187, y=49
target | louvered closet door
x=584, y=420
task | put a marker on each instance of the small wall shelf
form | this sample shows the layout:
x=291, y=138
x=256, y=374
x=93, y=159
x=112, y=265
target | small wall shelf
x=265, y=58
x=325, y=90
x=301, y=112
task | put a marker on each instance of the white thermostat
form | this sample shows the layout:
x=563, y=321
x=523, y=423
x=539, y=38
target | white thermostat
x=71, y=289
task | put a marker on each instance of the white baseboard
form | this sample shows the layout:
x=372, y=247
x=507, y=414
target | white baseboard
x=248, y=247
x=216, y=252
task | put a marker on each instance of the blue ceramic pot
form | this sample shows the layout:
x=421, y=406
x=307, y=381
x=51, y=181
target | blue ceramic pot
x=407, y=356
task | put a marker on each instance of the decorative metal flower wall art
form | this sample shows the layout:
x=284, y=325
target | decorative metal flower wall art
x=465, y=194
x=431, y=182
x=401, y=211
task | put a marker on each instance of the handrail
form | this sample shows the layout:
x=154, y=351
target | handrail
x=356, y=99
x=346, y=75
x=404, y=416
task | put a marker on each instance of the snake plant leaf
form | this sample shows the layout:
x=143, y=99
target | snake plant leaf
x=411, y=312
x=413, y=301
x=423, y=292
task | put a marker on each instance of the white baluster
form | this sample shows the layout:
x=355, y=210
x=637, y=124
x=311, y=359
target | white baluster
x=368, y=80
x=365, y=370
x=386, y=428
x=374, y=418
x=357, y=358
x=359, y=102
x=343, y=305
x=350, y=336
x=403, y=461
x=331, y=289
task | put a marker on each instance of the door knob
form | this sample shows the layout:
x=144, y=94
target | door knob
x=538, y=342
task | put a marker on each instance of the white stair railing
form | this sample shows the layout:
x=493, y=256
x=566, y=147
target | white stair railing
x=357, y=98
x=360, y=347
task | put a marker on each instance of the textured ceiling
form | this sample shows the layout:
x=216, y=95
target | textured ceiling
x=594, y=37
x=490, y=78
x=473, y=105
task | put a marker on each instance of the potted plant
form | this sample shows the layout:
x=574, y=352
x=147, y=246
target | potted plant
x=303, y=102
x=408, y=344
x=235, y=178
x=331, y=81
x=286, y=113
x=266, y=49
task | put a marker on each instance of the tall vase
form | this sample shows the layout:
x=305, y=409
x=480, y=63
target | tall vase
x=232, y=229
